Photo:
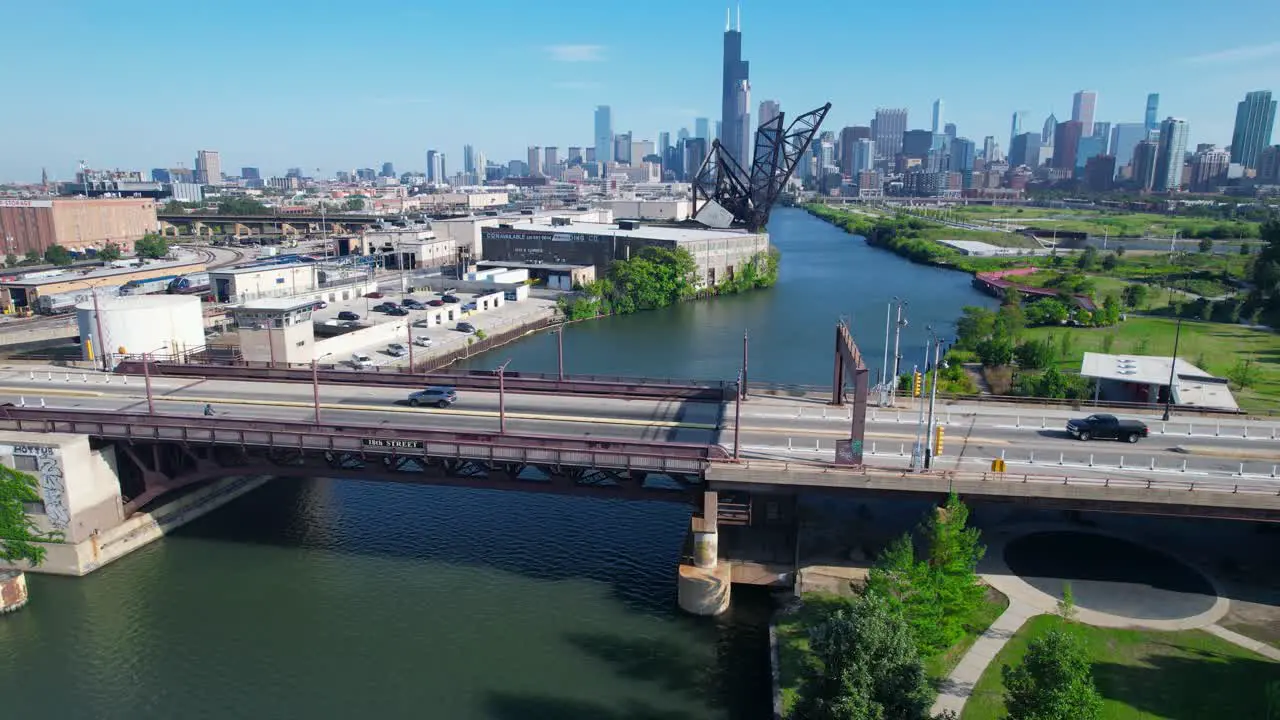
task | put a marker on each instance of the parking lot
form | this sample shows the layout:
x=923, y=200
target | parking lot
x=444, y=338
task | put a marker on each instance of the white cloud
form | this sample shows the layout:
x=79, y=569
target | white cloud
x=1236, y=54
x=577, y=85
x=576, y=53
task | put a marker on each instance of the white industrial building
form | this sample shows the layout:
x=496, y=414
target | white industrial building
x=1145, y=379
x=418, y=246
x=465, y=231
x=239, y=284
x=144, y=324
x=464, y=200
x=671, y=210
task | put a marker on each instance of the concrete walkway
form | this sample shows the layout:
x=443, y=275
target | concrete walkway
x=1248, y=643
x=958, y=686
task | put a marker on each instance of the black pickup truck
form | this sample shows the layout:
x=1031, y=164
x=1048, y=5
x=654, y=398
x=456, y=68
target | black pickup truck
x=1106, y=427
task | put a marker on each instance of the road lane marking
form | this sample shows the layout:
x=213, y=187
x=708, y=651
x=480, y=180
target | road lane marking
x=37, y=392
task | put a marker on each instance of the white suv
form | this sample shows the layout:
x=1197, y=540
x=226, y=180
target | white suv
x=359, y=360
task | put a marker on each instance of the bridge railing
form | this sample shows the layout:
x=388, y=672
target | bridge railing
x=684, y=458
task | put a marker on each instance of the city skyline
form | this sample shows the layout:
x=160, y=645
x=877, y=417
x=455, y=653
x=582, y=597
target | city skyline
x=551, y=89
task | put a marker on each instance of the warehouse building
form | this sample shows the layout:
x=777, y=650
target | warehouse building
x=20, y=295
x=74, y=223
x=719, y=254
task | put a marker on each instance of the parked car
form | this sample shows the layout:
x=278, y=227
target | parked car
x=465, y=327
x=411, y=304
x=320, y=305
x=381, y=307
x=450, y=299
x=435, y=303
x=469, y=307
x=348, y=315
x=1107, y=427
x=360, y=360
x=441, y=397
x=422, y=341
x=396, y=311
x=397, y=350
x=375, y=295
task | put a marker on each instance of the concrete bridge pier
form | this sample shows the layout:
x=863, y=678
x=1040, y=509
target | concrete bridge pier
x=704, y=582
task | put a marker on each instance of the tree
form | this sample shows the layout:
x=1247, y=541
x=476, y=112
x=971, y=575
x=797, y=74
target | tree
x=1135, y=295
x=1206, y=246
x=1036, y=354
x=867, y=667
x=974, y=326
x=57, y=255
x=1244, y=248
x=1109, y=262
x=151, y=246
x=11, y=260
x=995, y=352
x=174, y=207
x=354, y=204
x=109, y=252
x=1088, y=259
x=1049, y=311
x=1120, y=251
x=1110, y=314
x=18, y=534
x=32, y=258
x=1054, y=682
x=242, y=206
x=1244, y=374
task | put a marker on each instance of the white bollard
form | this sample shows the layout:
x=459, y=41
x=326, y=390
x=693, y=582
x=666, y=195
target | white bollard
x=875, y=416
x=902, y=449
x=124, y=379
x=1032, y=458
x=32, y=374
x=1217, y=431
x=1042, y=425
x=1017, y=421
x=1153, y=463
x=873, y=448
x=50, y=374
x=84, y=377
x=800, y=412
x=1060, y=457
x=1241, y=473
x=824, y=413
x=1188, y=429
x=788, y=444
x=948, y=417
x=899, y=416
x=1001, y=454
x=1090, y=459
x=41, y=402
x=22, y=402
x=1184, y=466
x=1161, y=428
x=66, y=377
x=817, y=444
x=1246, y=432
x=1273, y=471
x=1121, y=462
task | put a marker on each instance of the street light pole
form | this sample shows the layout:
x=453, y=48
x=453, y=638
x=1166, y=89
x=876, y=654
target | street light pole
x=897, y=358
x=502, y=399
x=930, y=430
x=146, y=373
x=884, y=367
x=1173, y=366
x=737, y=419
x=560, y=352
x=408, y=329
x=742, y=381
x=315, y=384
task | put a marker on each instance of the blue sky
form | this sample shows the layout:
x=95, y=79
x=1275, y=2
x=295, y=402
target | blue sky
x=352, y=84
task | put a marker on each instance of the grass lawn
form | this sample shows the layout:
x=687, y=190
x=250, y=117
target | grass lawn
x=1214, y=347
x=1147, y=675
x=793, y=640
x=1114, y=223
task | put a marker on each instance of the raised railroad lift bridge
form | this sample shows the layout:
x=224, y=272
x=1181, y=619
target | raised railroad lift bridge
x=725, y=195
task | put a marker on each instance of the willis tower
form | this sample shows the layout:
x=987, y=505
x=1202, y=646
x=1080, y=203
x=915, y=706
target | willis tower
x=735, y=99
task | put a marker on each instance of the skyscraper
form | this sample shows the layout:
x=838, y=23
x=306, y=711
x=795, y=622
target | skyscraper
x=702, y=129
x=735, y=93
x=939, y=108
x=1153, y=107
x=1145, y=156
x=1015, y=129
x=990, y=150
x=863, y=156
x=1209, y=169
x=468, y=159
x=769, y=109
x=682, y=135
x=1066, y=143
x=435, y=167
x=1173, y=151
x=208, y=167
x=388, y=170
x=962, y=151
x=889, y=126
x=849, y=137
x=551, y=153
x=1082, y=107
x=1050, y=129
x=535, y=160
x=664, y=143
x=1255, y=117
x=917, y=143
x=1124, y=138
x=1025, y=150
x=604, y=134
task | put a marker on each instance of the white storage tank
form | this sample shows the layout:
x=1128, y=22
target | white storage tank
x=143, y=324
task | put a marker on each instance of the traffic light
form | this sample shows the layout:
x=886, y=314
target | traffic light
x=915, y=392
x=937, y=441
x=997, y=465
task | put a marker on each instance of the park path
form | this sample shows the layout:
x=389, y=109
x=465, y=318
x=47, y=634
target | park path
x=958, y=686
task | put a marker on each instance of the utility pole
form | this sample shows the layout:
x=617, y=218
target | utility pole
x=1168, y=396
x=502, y=399
x=742, y=381
x=930, y=436
x=737, y=420
x=884, y=367
x=897, y=357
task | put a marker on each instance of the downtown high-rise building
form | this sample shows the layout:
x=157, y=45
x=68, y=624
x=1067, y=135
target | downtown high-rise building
x=435, y=167
x=1066, y=144
x=735, y=96
x=533, y=156
x=468, y=159
x=1146, y=156
x=702, y=129
x=1255, y=118
x=939, y=122
x=388, y=170
x=862, y=156
x=1083, y=105
x=1016, y=129
x=1124, y=138
x=1050, y=129
x=887, y=129
x=769, y=109
x=604, y=134
x=849, y=137
x=1153, y=107
x=1025, y=150
x=208, y=167
x=1173, y=151
x=551, y=158
x=1209, y=169
x=962, y=156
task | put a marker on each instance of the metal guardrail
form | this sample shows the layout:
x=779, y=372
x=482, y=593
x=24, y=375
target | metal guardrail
x=535, y=383
x=687, y=458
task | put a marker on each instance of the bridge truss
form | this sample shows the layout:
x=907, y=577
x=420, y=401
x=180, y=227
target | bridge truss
x=725, y=195
x=849, y=366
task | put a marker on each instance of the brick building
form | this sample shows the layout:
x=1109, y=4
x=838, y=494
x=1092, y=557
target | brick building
x=73, y=223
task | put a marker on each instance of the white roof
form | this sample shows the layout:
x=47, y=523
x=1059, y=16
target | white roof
x=276, y=304
x=1191, y=386
x=646, y=231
